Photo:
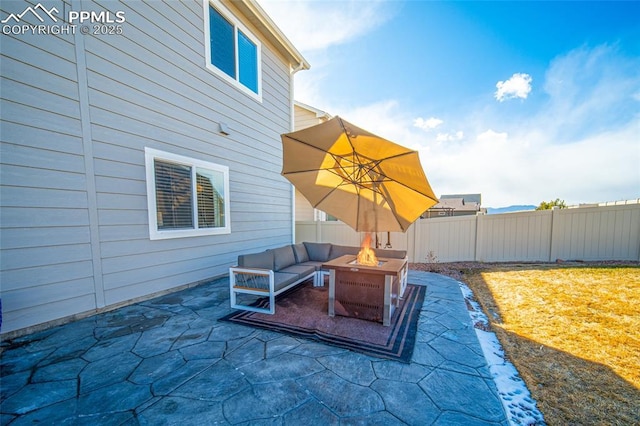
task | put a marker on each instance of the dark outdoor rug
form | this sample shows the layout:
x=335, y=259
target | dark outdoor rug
x=302, y=312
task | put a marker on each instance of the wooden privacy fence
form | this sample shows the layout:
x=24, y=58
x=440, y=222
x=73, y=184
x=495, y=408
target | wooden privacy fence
x=585, y=233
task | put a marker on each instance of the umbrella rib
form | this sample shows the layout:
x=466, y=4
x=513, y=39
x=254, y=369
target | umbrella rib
x=414, y=190
x=333, y=170
x=402, y=154
x=392, y=208
x=329, y=193
x=304, y=171
x=402, y=183
x=344, y=129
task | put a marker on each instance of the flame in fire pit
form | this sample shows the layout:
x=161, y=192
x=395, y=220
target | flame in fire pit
x=367, y=256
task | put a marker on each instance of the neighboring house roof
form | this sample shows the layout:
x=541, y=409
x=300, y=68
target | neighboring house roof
x=448, y=202
x=318, y=112
x=458, y=203
x=468, y=198
x=258, y=17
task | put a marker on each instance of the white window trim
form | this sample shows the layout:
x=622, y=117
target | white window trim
x=236, y=25
x=150, y=155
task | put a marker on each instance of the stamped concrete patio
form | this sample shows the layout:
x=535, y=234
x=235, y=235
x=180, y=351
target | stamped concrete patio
x=169, y=361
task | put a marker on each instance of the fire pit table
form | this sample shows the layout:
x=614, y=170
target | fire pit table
x=365, y=292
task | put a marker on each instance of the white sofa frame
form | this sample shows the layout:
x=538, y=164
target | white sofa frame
x=263, y=284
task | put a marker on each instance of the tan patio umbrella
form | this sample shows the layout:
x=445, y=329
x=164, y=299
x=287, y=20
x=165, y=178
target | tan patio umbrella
x=368, y=182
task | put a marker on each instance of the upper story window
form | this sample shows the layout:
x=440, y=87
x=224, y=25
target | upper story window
x=186, y=197
x=232, y=51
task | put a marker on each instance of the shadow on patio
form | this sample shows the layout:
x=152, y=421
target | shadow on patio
x=169, y=361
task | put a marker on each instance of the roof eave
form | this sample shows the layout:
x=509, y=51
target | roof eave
x=318, y=112
x=258, y=17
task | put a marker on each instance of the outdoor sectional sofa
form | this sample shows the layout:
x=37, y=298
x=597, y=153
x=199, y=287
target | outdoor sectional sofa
x=271, y=272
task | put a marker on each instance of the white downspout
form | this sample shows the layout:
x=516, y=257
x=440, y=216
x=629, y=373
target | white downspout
x=292, y=72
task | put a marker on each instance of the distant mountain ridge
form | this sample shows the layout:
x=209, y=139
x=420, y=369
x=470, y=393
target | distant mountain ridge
x=509, y=209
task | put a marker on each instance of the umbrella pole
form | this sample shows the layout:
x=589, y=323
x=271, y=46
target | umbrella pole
x=375, y=214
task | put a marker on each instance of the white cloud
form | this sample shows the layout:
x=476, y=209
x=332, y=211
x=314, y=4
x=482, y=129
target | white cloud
x=314, y=27
x=384, y=118
x=320, y=24
x=428, y=124
x=579, y=144
x=518, y=86
x=590, y=90
x=449, y=137
x=491, y=136
x=520, y=164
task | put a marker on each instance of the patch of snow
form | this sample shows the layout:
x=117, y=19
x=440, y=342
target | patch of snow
x=520, y=407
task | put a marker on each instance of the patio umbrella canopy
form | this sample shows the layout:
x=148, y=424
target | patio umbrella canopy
x=366, y=181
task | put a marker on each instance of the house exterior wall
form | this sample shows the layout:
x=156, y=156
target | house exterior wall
x=304, y=209
x=303, y=118
x=77, y=113
x=433, y=213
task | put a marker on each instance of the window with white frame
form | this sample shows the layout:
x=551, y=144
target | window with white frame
x=186, y=197
x=231, y=50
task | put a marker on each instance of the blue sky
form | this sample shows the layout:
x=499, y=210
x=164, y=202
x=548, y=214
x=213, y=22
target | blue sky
x=519, y=101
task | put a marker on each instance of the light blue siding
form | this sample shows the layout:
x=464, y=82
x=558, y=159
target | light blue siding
x=74, y=218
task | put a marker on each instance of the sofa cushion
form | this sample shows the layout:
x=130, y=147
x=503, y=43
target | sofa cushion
x=300, y=270
x=337, y=251
x=318, y=252
x=300, y=251
x=316, y=265
x=282, y=279
x=262, y=260
x=283, y=257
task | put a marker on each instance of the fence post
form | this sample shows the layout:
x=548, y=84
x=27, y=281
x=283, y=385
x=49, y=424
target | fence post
x=318, y=230
x=412, y=241
x=476, y=249
x=554, y=211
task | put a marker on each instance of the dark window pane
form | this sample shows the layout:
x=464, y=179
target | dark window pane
x=223, y=51
x=173, y=195
x=210, y=186
x=248, y=62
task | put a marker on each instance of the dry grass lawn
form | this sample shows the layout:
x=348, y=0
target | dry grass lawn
x=573, y=333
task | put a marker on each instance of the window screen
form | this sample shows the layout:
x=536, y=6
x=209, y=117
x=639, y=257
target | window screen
x=173, y=195
x=248, y=62
x=186, y=197
x=234, y=52
x=210, y=187
x=223, y=52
